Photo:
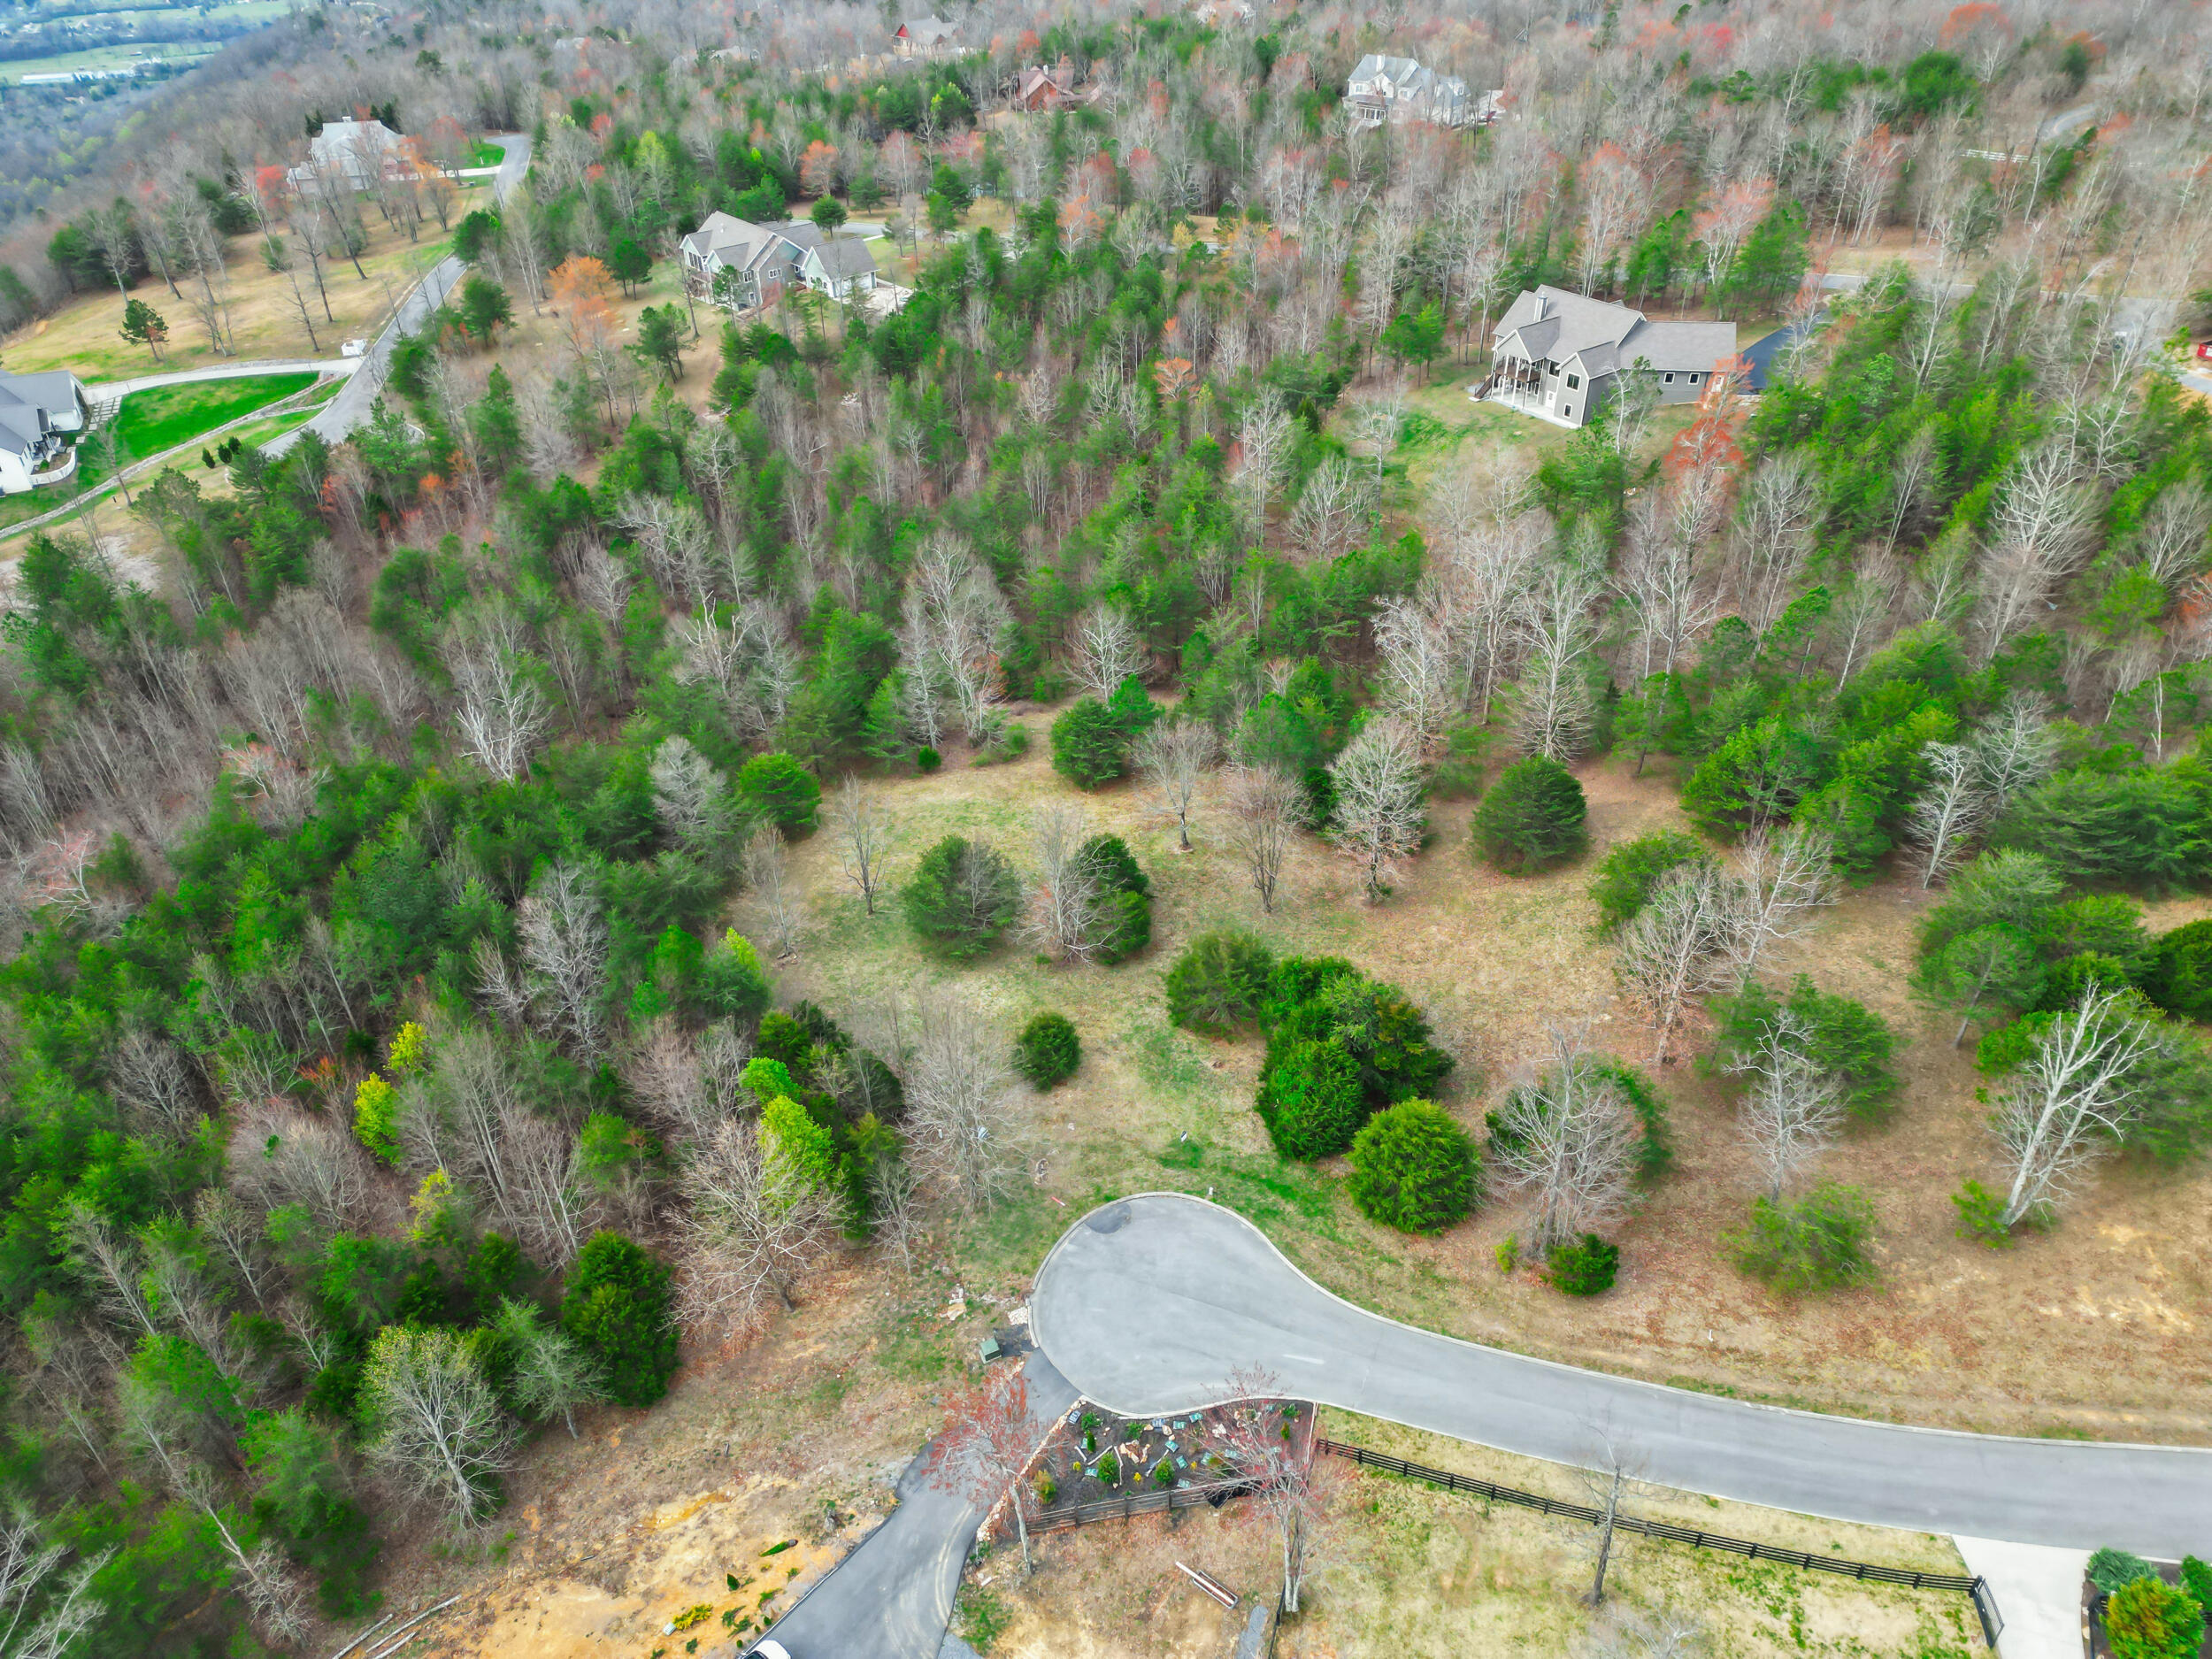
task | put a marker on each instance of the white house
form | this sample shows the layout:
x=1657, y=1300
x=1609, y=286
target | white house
x=926, y=37
x=751, y=264
x=1398, y=89
x=36, y=410
x=351, y=153
x=1560, y=356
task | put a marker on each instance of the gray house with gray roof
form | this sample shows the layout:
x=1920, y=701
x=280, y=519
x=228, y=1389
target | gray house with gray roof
x=36, y=412
x=1559, y=356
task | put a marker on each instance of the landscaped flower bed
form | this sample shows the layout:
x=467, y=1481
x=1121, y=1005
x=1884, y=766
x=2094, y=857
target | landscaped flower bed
x=1093, y=1455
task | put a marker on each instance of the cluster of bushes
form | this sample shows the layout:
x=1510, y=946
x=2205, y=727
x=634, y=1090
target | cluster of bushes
x=829, y=1101
x=2144, y=1616
x=1340, y=1047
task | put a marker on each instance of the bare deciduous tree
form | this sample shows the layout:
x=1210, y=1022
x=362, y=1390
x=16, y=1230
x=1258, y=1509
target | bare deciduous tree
x=438, y=1428
x=28, y=1567
x=561, y=929
x=1414, y=637
x=752, y=1225
x=1553, y=711
x=1949, y=814
x=2068, y=1100
x=1379, y=814
x=1646, y=1634
x=2042, y=531
x=1066, y=915
x=769, y=878
x=1566, y=1143
x=1289, y=1490
x=1266, y=811
x=1787, y=876
x=500, y=716
x=960, y=1103
x=1679, y=945
x=691, y=797
x=1794, y=1110
x=1174, y=757
x=862, y=828
x=2016, y=749
x=1104, y=650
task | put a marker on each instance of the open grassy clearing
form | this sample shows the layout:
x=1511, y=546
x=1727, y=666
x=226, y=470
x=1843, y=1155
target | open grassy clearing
x=2094, y=1328
x=83, y=336
x=1414, y=1570
x=179, y=52
x=162, y=416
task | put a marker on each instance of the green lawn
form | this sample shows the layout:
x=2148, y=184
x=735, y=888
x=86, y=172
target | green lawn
x=104, y=58
x=164, y=415
x=487, y=154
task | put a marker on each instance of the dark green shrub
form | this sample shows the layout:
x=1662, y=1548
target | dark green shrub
x=1843, y=1036
x=2112, y=1571
x=732, y=983
x=2196, y=1578
x=1297, y=980
x=1128, y=929
x=1218, y=982
x=927, y=760
x=2151, y=1619
x=1378, y=1026
x=961, y=898
x=1531, y=817
x=1981, y=1215
x=1458, y=775
x=617, y=1307
x=1047, y=1051
x=1089, y=745
x=1820, y=1243
x=778, y=790
x=1311, y=1100
x=2142, y=828
x=1414, y=1168
x=1587, y=1267
x=1126, y=896
x=1655, y=1154
x=1629, y=872
x=2179, y=978
x=1132, y=707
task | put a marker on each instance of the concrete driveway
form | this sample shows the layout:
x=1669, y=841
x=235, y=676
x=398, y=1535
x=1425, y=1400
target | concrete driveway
x=892, y=1597
x=1147, y=1305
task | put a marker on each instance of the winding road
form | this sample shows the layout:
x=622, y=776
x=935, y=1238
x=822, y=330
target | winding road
x=1147, y=1305
x=357, y=398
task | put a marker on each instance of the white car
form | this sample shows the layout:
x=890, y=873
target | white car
x=771, y=1649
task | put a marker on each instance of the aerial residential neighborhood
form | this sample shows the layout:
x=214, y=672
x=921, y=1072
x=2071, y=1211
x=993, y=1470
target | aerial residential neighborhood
x=1196, y=831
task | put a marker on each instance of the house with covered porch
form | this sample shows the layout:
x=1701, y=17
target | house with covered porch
x=1560, y=356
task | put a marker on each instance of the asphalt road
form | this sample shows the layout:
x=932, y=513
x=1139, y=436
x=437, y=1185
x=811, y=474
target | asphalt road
x=1147, y=1305
x=357, y=398
x=892, y=1597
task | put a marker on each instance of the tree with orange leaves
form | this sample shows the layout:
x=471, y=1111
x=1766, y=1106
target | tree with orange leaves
x=1708, y=443
x=580, y=285
x=1174, y=376
x=818, y=169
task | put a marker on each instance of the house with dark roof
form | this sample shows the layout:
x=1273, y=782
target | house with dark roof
x=743, y=267
x=1559, y=356
x=38, y=412
x=1399, y=89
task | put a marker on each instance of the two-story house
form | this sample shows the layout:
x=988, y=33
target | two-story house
x=1399, y=89
x=745, y=266
x=926, y=37
x=1560, y=356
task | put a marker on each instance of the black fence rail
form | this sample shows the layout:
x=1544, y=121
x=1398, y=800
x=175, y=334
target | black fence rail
x=1153, y=1503
x=1864, y=1571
